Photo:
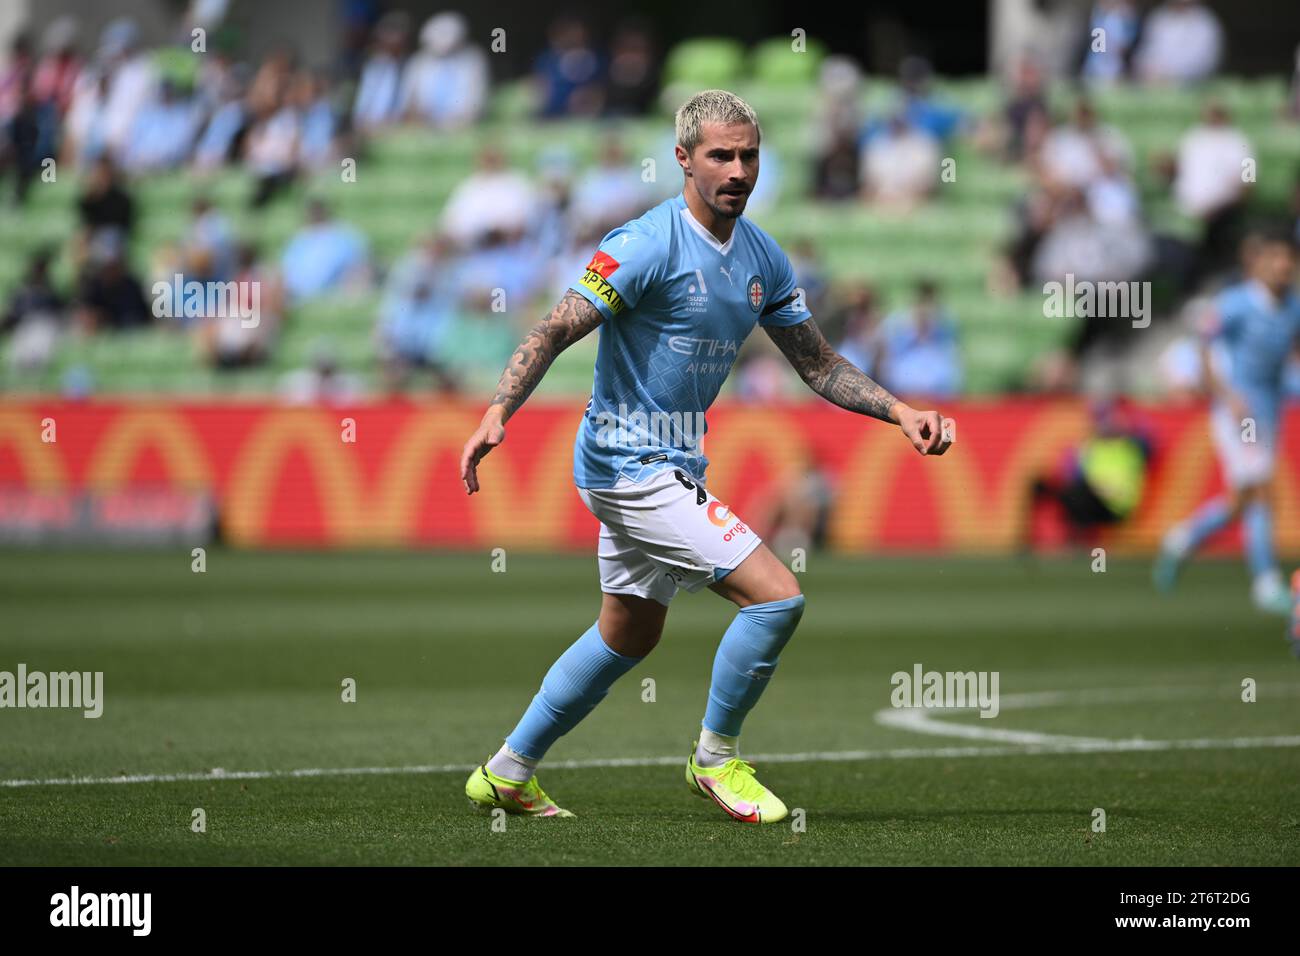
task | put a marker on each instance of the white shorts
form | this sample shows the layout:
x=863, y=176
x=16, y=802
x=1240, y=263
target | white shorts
x=665, y=532
x=1245, y=463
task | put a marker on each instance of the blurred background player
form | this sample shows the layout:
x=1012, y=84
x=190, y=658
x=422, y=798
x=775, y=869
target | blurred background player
x=1099, y=482
x=1248, y=336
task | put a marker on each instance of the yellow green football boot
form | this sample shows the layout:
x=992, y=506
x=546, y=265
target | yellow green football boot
x=734, y=788
x=487, y=791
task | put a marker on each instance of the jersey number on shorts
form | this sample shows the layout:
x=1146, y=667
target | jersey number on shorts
x=701, y=495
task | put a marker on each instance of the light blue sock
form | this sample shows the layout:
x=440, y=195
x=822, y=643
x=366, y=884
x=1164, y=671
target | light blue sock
x=1258, y=524
x=1209, y=519
x=746, y=659
x=578, y=681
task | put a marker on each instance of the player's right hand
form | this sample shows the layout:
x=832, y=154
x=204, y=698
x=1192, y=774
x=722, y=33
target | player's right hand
x=490, y=434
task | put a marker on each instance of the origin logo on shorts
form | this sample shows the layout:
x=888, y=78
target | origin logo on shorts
x=721, y=515
x=596, y=278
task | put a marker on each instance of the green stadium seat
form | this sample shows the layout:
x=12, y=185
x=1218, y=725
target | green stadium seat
x=775, y=61
x=705, y=63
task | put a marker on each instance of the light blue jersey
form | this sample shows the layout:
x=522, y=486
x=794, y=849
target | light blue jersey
x=677, y=304
x=1256, y=334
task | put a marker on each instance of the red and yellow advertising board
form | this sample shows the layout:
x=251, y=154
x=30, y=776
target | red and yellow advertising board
x=286, y=476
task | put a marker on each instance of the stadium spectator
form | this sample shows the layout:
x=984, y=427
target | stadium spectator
x=552, y=222
x=15, y=77
x=1112, y=196
x=835, y=173
x=838, y=123
x=324, y=256
x=1025, y=115
x=1112, y=31
x=610, y=193
x=918, y=107
x=271, y=81
x=1181, y=43
x=105, y=204
x=110, y=297
x=378, y=99
x=132, y=83
x=568, y=73
x=1210, y=185
x=1078, y=244
x=633, y=81
x=35, y=315
x=417, y=311
x=445, y=84
x=58, y=68
x=210, y=240
x=219, y=142
x=271, y=149
x=919, y=353
x=22, y=142
x=900, y=166
x=1074, y=155
x=85, y=127
x=309, y=96
x=493, y=199
x=163, y=134
x=247, y=336
x=809, y=273
x=856, y=316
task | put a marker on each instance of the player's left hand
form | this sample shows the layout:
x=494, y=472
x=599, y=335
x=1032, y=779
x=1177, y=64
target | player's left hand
x=929, y=432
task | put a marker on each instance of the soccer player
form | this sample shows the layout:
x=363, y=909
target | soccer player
x=674, y=293
x=1248, y=336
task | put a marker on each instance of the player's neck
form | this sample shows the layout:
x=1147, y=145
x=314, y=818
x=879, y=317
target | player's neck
x=720, y=227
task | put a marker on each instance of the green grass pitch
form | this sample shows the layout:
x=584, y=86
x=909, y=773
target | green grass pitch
x=240, y=668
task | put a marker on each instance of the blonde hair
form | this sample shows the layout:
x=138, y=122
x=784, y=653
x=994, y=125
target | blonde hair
x=711, y=106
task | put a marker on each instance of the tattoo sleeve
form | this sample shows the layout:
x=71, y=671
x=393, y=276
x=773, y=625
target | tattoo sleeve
x=569, y=321
x=828, y=373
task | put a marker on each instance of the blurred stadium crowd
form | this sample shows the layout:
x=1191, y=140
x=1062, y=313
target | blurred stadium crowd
x=405, y=218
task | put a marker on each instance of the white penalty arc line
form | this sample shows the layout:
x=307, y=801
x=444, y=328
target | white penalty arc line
x=1011, y=744
x=926, y=720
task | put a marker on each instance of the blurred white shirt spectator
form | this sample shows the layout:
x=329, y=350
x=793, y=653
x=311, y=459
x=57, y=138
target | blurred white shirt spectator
x=900, y=164
x=446, y=83
x=1210, y=165
x=272, y=147
x=493, y=199
x=1077, y=153
x=1181, y=43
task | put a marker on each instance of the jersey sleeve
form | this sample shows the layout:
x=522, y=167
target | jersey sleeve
x=1221, y=319
x=625, y=264
x=785, y=305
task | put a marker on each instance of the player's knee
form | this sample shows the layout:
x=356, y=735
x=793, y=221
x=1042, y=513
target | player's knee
x=786, y=588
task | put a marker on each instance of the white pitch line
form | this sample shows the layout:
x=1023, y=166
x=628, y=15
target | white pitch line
x=1024, y=743
x=825, y=756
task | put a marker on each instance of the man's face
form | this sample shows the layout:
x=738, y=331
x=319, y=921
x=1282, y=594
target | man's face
x=724, y=166
x=1275, y=265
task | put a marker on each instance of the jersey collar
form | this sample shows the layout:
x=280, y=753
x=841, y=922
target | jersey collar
x=722, y=247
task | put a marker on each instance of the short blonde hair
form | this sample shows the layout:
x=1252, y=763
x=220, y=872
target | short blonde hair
x=711, y=106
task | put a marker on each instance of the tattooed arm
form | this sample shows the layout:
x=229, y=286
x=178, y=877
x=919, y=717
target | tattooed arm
x=569, y=321
x=837, y=380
